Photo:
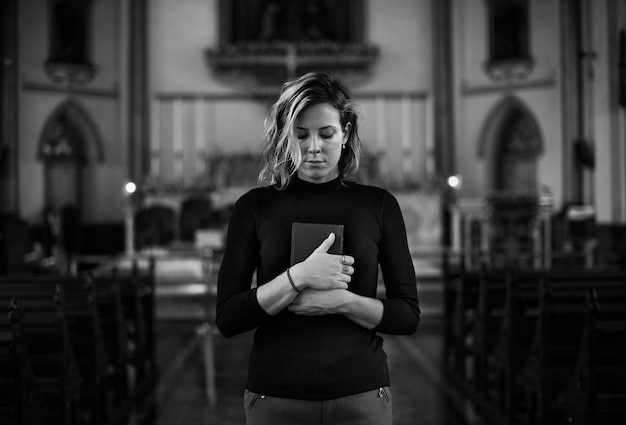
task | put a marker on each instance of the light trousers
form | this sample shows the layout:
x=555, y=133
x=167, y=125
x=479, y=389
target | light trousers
x=368, y=408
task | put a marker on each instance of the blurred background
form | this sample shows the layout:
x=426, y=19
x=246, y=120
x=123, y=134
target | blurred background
x=129, y=127
x=503, y=96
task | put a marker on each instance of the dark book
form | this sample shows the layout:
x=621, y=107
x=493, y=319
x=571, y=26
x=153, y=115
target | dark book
x=306, y=237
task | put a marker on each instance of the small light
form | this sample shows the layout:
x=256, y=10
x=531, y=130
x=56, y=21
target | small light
x=130, y=188
x=454, y=181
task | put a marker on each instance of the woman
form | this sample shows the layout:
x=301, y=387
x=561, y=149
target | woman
x=316, y=358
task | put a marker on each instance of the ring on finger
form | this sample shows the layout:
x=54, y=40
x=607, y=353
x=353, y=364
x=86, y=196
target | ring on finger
x=346, y=269
x=343, y=259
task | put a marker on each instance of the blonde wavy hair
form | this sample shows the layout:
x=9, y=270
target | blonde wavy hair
x=281, y=156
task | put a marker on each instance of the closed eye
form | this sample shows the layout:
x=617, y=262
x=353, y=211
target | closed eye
x=325, y=133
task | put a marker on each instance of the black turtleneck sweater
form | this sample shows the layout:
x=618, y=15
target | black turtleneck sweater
x=316, y=357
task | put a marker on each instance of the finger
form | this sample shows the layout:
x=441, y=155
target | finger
x=346, y=260
x=344, y=279
x=347, y=270
x=328, y=242
x=340, y=281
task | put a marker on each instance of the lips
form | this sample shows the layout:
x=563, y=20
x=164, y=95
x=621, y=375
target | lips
x=314, y=162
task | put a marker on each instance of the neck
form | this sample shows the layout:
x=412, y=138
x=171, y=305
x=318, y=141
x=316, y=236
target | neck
x=311, y=187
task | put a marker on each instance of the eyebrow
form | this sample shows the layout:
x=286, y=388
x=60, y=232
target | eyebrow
x=327, y=127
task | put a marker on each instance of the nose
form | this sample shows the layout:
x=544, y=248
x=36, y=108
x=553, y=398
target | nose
x=314, y=146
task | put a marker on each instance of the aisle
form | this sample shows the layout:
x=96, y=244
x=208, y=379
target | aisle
x=190, y=392
x=421, y=394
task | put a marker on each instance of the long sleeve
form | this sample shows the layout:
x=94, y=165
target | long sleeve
x=401, y=314
x=238, y=309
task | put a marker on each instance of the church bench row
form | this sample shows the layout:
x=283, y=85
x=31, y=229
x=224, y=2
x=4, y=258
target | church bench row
x=539, y=342
x=494, y=321
x=107, y=337
x=470, y=302
x=137, y=286
x=596, y=393
x=20, y=403
x=47, y=351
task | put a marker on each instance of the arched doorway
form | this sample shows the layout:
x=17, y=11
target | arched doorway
x=68, y=144
x=63, y=157
x=512, y=145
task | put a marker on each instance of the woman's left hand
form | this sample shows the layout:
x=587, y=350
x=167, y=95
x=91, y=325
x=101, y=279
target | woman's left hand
x=311, y=302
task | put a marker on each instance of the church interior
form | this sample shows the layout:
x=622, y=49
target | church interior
x=128, y=129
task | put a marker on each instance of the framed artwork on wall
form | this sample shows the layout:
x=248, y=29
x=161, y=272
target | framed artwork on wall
x=291, y=21
x=68, y=60
x=265, y=42
x=509, y=56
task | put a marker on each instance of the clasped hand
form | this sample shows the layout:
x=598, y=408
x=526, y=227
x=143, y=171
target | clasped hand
x=322, y=275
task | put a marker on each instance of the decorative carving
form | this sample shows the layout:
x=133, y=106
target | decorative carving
x=511, y=70
x=269, y=64
x=59, y=143
x=70, y=74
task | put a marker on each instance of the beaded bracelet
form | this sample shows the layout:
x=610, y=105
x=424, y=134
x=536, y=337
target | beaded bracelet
x=293, y=285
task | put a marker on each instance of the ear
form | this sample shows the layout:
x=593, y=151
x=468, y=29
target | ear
x=346, y=131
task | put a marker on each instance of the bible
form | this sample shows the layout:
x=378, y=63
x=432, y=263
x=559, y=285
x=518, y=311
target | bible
x=306, y=237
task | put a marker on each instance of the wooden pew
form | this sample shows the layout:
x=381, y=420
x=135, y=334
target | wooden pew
x=555, y=345
x=135, y=277
x=78, y=304
x=505, y=322
x=461, y=311
x=488, y=326
x=85, y=327
x=494, y=321
x=47, y=339
x=115, y=310
x=137, y=291
x=596, y=393
x=113, y=324
x=509, y=330
x=20, y=402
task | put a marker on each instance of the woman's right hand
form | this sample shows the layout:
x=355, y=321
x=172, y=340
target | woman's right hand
x=322, y=270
